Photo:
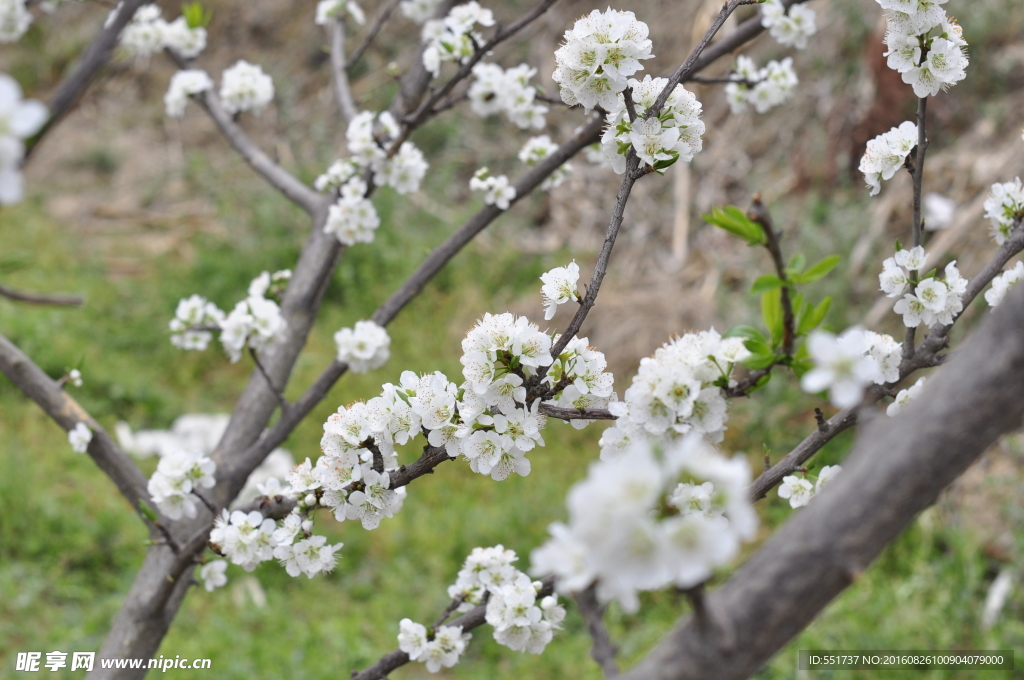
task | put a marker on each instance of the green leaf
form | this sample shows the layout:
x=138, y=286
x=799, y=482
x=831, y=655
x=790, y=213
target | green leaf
x=195, y=15
x=813, y=318
x=817, y=270
x=801, y=362
x=757, y=347
x=748, y=332
x=765, y=283
x=734, y=221
x=669, y=162
x=899, y=246
x=796, y=263
x=758, y=361
x=771, y=312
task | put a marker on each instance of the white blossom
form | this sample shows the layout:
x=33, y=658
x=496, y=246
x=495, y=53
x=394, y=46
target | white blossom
x=495, y=90
x=536, y=150
x=212, y=575
x=887, y=153
x=364, y=347
x=452, y=38
x=498, y=191
x=1002, y=283
x=601, y=51
x=183, y=85
x=79, y=437
x=245, y=87
x=256, y=322
x=674, y=135
x=797, y=490
x=905, y=397
x=328, y=10
x=191, y=314
x=559, y=287
x=887, y=353
x=764, y=88
x=145, y=33
x=310, y=556
x=186, y=41
x=19, y=119
x=842, y=366
x=14, y=20
x=792, y=28
x=419, y=10
x=925, y=45
x=825, y=477
x=353, y=219
x=178, y=474
x=75, y=377
x=1004, y=206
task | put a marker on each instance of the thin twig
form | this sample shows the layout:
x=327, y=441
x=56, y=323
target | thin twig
x=603, y=651
x=294, y=190
x=564, y=413
x=378, y=23
x=339, y=74
x=94, y=58
x=759, y=213
x=40, y=299
x=452, y=606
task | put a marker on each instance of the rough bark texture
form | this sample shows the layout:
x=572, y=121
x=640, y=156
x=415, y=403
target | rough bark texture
x=897, y=468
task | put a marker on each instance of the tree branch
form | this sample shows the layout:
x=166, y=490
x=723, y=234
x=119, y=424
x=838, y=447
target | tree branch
x=576, y=414
x=603, y=651
x=468, y=621
x=294, y=190
x=896, y=469
x=94, y=58
x=40, y=299
x=67, y=413
x=759, y=213
x=339, y=74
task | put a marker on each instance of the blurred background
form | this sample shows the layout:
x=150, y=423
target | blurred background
x=134, y=210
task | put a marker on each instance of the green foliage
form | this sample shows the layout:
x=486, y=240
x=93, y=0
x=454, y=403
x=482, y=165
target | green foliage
x=736, y=222
x=195, y=15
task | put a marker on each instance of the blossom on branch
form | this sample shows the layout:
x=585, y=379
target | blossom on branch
x=183, y=85
x=495, y=90
x=419, y=10
x=1004, y=206
x=499, y=192
x=329, y=10
x=792, y=28
x=178, y=474
x=79, y=437
x=245, y=87
x=14, y=20
x=764, y=88
x=887, y=153
x=364, y=347
x=674, y=135
x=453, y=38
x=600, y=52
x=1002, y=284
x=843, y=366
x=19, y=119
x=559, y=287
x=926, y=46
x=536, y=150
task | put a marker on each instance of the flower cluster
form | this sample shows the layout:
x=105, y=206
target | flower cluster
x=363, y=348
x=19, y=119
x=581, y=369
x=1005, y=207
x=191, y=318
x=419, y=10
x=600, y=52
x=245, y=87
x=674, y=135
x=248, y=539
x=791, y=28
x=148, y=33
x=887, y=153
x=932, y=301
x=79, y=437
x=495, y=90
x=183, y=85
x=499, y=192
x=441, y=651
x=353, y=219
x=177, y=475
x=536, y=150
x=799, y=491
x=453, y=38
x=1002, y=284
x=255, y=321
x=763, y=88
x=675, y=392
x=14, y=20
x=926, y=46
x=559, y=287
x=905, y=397
x=329, y=10
x=845, y=365
x=623, y=533
x=520, y=622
